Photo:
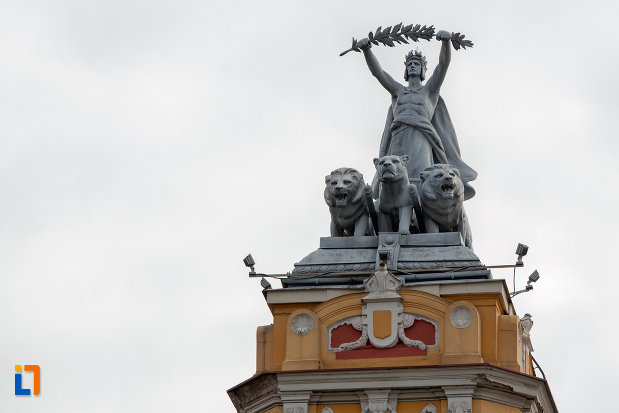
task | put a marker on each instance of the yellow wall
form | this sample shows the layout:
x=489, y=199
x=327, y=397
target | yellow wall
x=337, y=408
x=489, y=308
x=509, y=344
x=483, y=406
x=497, y=334
x=415, y=407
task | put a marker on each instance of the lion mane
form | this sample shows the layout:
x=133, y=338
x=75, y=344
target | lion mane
x=442, y=199
x=346, y=201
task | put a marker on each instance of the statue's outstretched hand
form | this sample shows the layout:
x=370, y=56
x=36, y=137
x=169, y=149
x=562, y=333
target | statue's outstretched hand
x=443, y=35
x=364, y=44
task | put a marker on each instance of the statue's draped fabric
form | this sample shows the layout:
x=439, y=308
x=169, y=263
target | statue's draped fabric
x=441, y=136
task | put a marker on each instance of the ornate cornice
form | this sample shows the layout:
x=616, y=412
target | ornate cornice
x=477, y=381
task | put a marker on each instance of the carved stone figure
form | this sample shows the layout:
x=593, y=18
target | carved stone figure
x=527, y=324
x=395, y=207
x=429, y=408
x=442, y=198
x=418, y=124
x=347, y=204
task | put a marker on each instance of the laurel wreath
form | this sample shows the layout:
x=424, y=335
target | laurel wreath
x=398, y=34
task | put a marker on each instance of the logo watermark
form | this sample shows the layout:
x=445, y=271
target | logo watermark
x=19, y=390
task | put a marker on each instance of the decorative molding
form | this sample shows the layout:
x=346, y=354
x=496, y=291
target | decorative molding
x=382, y=284
x=379, y=401
x=416, y=384
x=406, y=321
x=460, y=405
x=312, y=269
x=459, y=398
x=395, y=310
x=363, y=340
x=326, y=410
x=295, y=402
x=253, y=391
x=357, y=324
x=320, y=268
x=408, y=342
x=433, y=322
x=435, y=265
x=296, y=409
x=382, y=296
x=532, y=407
x=360, y=323
x=461, y=317
x=302, y=324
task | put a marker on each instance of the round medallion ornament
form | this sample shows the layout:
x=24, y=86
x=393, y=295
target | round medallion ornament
x=461, y=317
x=302, y=324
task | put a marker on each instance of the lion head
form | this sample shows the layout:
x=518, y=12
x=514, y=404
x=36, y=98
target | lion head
x=443, y=181
x=344, y=186
x=442, y=195
x=391, y=168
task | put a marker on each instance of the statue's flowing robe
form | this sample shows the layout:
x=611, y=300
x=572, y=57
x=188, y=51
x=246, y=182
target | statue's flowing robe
x=442, y=138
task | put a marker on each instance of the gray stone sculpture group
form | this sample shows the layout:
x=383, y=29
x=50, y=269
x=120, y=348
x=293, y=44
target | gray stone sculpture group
x=421, y=181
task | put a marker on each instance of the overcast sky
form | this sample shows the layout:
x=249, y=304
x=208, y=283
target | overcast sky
x=147, y=146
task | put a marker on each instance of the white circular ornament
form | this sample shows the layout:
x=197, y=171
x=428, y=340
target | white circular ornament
x=302, y=324
x=461, y=317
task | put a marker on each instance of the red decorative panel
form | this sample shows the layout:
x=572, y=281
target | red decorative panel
x=344, y=334
x=421, y=330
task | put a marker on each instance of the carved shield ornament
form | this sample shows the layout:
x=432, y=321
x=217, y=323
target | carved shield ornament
x=382, y=320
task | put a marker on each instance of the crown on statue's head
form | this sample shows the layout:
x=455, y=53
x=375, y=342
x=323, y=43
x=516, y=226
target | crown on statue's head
x=415, y=54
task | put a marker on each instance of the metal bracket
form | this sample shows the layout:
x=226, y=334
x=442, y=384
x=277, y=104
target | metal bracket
x=389, y=245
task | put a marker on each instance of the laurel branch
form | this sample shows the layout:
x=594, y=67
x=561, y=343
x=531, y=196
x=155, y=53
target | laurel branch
x=389, y=36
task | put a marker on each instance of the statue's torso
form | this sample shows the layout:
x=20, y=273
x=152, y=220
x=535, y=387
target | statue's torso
x=416, y=101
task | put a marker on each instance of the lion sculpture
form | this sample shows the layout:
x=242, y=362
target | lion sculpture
x=347, y=205
x=395, y=207
x=442, y=198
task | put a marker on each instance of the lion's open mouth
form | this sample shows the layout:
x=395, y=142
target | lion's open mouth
x=340, y=197
x=448, y=187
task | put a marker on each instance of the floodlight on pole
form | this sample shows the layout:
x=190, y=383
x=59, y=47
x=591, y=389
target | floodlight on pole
x=532, y=278
x=265, y=284
x=521, y=251
x=249, y=262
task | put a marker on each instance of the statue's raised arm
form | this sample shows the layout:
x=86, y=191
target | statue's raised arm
x=383, y=77
x=437, y=78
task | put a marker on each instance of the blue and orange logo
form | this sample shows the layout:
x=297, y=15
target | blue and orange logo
x=19, y=390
